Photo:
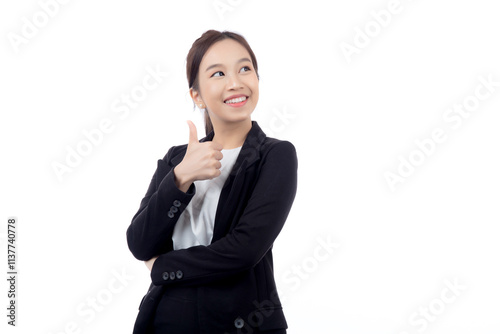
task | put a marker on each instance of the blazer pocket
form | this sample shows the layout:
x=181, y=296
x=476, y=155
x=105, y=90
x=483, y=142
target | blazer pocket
x=151, y=286
x=147, y=310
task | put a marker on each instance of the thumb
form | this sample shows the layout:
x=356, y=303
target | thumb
x=193, y=134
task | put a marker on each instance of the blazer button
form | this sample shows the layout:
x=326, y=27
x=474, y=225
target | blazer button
x=239, y=323
x=174, y=209
x=179, y=274
x=172, y=275
x=170, y=214
x=177, y=203
x=165, y=276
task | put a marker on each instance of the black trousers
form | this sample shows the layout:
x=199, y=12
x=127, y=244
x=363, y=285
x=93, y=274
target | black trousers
x=177, y=313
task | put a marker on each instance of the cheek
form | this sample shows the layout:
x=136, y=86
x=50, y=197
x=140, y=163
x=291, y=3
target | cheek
x=254, y=86
x=208, y=90
x=214, y=92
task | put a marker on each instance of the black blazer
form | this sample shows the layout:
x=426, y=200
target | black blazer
x=234, y=274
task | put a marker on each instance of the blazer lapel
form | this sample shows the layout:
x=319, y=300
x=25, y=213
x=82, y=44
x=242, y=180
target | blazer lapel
x=250, y=151
x=228, y=200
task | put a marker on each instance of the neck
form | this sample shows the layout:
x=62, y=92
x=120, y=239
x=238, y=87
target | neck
x=231, y=135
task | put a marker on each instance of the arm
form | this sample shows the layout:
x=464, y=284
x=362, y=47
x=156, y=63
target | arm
x=252, y=237
x=170, y=191
x=152, y=226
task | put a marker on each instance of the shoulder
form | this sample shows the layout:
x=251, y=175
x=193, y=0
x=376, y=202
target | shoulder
x=278, y=162
x=277, y=149
x=277, y=145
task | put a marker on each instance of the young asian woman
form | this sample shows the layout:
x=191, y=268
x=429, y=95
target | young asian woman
x=214, y=207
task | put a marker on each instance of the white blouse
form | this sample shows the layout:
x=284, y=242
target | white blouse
x=196, y=223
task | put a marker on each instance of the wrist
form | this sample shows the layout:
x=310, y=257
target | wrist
x=182, y=181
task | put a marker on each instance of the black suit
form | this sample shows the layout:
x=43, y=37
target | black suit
x=232, y=278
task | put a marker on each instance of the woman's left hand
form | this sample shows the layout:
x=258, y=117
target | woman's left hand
x=149, y=263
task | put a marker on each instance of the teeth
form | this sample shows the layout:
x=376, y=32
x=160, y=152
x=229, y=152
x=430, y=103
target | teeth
x=236, y=100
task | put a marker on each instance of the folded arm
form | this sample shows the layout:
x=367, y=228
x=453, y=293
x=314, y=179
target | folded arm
x=252, y=237
x=147, y=235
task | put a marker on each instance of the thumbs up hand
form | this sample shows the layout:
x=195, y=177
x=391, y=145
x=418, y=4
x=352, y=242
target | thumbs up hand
x=201, y=161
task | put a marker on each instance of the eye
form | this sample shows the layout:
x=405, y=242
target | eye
x=216, y=74
x=246, y=68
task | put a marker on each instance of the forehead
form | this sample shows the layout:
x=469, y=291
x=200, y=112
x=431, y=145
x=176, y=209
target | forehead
x=227, y=52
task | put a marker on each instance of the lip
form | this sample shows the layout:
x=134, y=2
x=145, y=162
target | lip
x=236, y=105
x=234, y=96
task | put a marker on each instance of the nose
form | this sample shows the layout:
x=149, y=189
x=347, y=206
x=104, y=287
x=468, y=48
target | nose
x=233, y=82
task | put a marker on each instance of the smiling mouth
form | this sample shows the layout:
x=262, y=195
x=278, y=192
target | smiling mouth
x=236, y=100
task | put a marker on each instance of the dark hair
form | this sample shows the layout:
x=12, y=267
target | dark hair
x=198, y=50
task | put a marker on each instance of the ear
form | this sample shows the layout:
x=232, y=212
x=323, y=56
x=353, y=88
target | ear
x=195, y=95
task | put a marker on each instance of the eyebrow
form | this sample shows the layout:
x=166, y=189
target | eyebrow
x=216, y=65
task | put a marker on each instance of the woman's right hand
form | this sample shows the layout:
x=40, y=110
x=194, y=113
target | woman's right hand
x=201, y=161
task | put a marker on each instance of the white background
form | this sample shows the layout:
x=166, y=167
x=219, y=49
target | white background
x=350, y=122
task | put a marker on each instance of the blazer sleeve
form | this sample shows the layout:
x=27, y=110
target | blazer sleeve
x=153, y=224
x=252, y=237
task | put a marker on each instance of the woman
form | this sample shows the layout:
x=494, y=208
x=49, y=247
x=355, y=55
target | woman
x=214, y=207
